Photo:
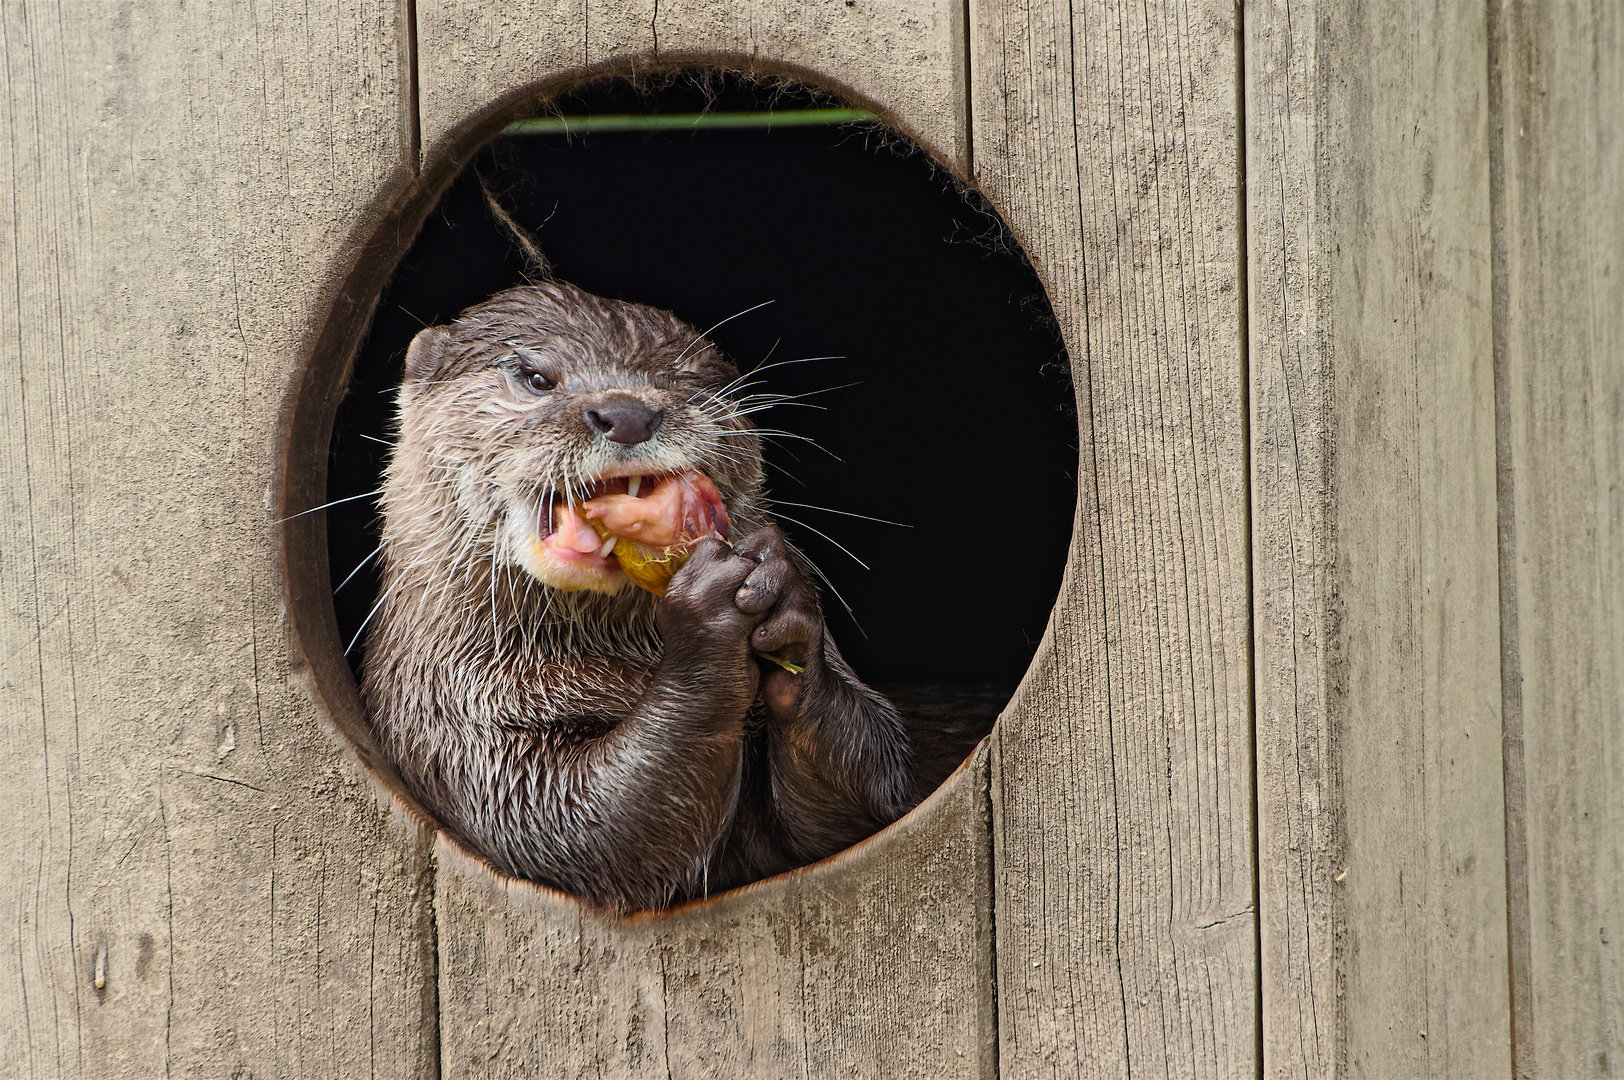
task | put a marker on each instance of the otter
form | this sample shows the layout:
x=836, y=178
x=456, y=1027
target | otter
x=572, y=728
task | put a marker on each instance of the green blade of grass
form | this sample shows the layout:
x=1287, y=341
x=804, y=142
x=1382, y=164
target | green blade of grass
x=583, y=125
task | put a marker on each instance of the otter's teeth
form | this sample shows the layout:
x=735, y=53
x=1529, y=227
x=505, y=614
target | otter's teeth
x=631, y=489
x=608, y=546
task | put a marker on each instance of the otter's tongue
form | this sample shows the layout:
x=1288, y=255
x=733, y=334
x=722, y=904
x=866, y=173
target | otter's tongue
x=572, y=533
x=671, y=511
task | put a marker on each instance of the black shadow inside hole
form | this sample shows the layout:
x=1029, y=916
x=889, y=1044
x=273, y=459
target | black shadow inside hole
x=943, y=403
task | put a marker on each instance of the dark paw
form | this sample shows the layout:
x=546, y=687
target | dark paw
x=699, y=605
x=782, y=593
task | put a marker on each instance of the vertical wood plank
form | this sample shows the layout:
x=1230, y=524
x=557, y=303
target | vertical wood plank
x=905, y=55
x=1375, y=552
x=1107, y=135
x=876, y=962
x=195, y=881
x=1560, y=244
x=1289, y=371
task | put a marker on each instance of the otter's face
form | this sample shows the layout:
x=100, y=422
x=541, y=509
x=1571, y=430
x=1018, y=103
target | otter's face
x=545, y=398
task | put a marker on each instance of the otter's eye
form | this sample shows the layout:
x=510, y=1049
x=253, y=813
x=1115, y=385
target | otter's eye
x=532, y=379
x=527, y=369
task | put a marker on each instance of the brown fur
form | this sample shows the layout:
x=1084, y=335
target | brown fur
x=628, y=750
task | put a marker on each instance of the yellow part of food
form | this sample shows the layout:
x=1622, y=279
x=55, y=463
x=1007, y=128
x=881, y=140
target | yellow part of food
x=649, y=568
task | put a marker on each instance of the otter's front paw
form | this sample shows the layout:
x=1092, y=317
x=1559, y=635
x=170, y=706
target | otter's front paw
x=697, y=617
x=781, y=593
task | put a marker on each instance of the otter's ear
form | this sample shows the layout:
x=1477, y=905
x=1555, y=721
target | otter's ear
x=426, y=353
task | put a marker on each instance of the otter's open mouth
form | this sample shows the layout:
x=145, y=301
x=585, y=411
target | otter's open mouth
x=666, y=513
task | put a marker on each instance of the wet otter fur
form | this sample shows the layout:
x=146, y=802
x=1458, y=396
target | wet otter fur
x=571, y=728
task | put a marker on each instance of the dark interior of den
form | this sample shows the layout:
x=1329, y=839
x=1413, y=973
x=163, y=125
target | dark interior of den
x=928, y=470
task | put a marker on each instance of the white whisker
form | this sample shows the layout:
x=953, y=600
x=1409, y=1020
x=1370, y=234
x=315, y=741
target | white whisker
x=823, y=534
x=730, y=318
x=842, y=513
x=357, y=569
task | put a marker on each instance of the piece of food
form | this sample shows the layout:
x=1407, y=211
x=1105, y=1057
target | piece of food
x=650, y=568
x=653, y=527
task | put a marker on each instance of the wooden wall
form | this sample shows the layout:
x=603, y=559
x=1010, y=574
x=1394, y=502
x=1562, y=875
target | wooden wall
x=1318, y=770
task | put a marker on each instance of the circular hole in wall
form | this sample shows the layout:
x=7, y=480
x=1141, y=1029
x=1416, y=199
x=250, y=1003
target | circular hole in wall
x=940, y=399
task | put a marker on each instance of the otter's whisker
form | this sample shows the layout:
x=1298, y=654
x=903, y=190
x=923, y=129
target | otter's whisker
x=496, y=630
x=768, y=367
x=785, y=398
x=820, y=532
x=827, y=584
x=770, y=433
x=786, y=472
x=776, y=434
x=357, y=569
x=362, y=628
x=773, y=405
x=348, y=498
x=730, y=318
x=842, y=513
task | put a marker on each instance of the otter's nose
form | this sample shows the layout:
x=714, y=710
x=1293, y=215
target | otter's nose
x=628, y=423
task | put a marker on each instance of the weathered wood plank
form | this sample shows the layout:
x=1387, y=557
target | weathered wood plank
x=1375, y=565
x=1560, y=340
x=906, y=56
x=1289, y=372
x=874, y=963
x=180, y=182
x=1107, y=135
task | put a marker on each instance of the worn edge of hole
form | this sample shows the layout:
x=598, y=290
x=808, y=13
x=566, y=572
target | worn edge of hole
x=367, y=261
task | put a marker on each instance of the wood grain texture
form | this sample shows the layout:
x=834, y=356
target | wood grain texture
x=874, y=963
x=905, y=56
x=1107, y=135
x=1375, y=549
x=1561, y=366
x=1289, y=371
x=180, y=181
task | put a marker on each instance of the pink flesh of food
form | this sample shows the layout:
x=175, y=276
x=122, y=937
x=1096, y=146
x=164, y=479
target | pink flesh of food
x=676, y=510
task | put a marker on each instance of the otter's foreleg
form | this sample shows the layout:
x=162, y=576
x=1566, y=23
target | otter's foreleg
x=655, y=795
x=839, y=757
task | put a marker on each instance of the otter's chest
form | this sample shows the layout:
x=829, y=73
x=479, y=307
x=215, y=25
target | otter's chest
x=578, y=691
